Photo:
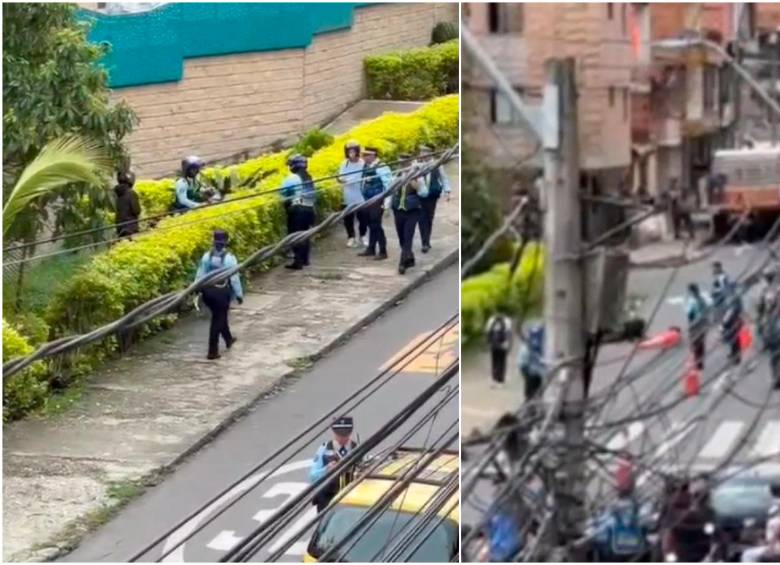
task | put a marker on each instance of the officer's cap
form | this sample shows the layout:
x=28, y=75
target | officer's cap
x=343, y=425
x=370, y=151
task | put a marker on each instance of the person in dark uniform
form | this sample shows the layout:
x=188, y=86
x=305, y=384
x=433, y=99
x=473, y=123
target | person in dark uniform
x=298, y=189
x=218, y=296
x=128, y=208
x=437, y=185
x=406, y=212
x=376, y=179
x=328, y=456
x=499, y=337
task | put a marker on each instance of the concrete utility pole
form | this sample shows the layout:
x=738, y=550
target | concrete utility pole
x=564, y=311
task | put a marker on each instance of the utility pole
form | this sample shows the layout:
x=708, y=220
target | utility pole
x=564, y=310
x=773, y=89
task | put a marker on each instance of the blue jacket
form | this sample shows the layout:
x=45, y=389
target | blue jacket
x=298, y=192
x=437, y=184
x=505, y=536
x=376, y=179
x=211, y=262
x=186, y=193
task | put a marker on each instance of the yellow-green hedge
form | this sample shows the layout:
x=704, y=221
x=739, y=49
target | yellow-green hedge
x=28, y=389
x=164, y=259
x=484, y=294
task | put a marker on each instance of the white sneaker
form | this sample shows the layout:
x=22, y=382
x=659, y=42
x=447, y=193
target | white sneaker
x=364, y=241
x=351, y=242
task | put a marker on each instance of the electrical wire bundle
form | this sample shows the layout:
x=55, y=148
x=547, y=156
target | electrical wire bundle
x=430, y=403
x=167, y=302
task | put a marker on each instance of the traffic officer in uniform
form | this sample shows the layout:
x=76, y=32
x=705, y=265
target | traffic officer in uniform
x=438, y=184
x=188, y=187
x=298, y=189
x=218, y=296
x=376, y=179
x=328, y=456
x=406, y=207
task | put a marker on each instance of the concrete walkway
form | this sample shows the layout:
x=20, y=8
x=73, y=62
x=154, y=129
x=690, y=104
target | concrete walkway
x=146, y=412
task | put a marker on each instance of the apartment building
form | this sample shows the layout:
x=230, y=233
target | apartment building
x=520, y=38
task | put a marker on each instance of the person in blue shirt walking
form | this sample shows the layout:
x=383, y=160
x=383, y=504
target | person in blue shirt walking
x=376, y=179
x=531, y=361
x=218, y=296
x=697, y=312
x=722, y=286
x=298, y=189
x=188, y=188
x=438, y=185
x=350, y=178
x=406, y=212
x=328, y=456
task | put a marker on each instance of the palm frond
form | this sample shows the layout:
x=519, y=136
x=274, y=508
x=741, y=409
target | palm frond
x=60, y=162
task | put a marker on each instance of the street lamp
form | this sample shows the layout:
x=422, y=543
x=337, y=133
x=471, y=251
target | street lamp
x=699, y=42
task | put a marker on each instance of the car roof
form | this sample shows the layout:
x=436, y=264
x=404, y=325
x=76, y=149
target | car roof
x=418, y=494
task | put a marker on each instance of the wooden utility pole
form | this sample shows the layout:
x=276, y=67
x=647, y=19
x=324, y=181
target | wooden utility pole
x=564, y=301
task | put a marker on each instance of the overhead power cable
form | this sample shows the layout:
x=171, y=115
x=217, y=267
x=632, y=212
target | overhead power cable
x=165, y=303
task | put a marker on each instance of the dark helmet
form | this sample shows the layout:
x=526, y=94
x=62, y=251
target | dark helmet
x=125, y=177
x=297, y=163
x=351, y=144
x=191, y=164
x=220, y=237
x=343, y=425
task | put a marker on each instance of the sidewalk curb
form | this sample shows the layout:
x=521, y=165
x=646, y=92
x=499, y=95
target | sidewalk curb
x=53, y=550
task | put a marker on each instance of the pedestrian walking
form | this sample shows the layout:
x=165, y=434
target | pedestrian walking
x=128, y=208
x=732, y=323
x=768, y=321
x=376, y=179
x=531, y=361
x=350, y=174
x=499, y=336
x=438, y=185
x=328, y=456
x=406, y=205
x=218, y=296
x=298, y=188
x=697, y=310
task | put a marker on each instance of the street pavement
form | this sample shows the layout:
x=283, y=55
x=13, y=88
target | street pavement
x=273, y=421
x=701, y=433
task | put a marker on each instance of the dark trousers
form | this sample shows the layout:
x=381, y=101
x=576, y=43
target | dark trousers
x=683, y=219
x=774, y=364
x=533, y=384
x=288, y=213
x=302, y=220
x=499, y=364
x=405, y=225
x=349, y=223
x=731, y=337
x=217, y=299
x=698, y=346
x=376, y=233
x=426, y=219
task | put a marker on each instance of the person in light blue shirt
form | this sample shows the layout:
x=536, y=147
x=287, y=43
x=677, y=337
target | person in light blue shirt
x=328, y=456
x=697, y=313
x=350, y=177
x=376, y=179
x=188, y=187
x=218, y=296
x=298, y=189
x=438, y=185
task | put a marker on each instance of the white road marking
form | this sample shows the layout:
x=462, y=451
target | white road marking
x=626, y=436
x=720, y=442
x=225, y=540
x=768, y=443
x=289, y=491
x=676, y=300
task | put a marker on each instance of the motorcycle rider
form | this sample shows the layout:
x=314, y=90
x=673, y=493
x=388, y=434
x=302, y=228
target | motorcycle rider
x=189, y=191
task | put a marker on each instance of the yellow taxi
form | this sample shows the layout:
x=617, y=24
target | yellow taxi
x=436, y=542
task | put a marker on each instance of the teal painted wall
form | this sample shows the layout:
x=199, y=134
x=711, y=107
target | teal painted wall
x=151, y=47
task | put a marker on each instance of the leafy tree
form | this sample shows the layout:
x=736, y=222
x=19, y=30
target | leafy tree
x=481, y=215
x=53, y=87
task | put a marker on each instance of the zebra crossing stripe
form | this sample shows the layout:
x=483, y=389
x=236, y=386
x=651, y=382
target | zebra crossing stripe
x=768, y=443
x=721, y=441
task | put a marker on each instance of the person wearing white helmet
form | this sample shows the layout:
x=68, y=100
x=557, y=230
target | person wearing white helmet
x=188, y=188
x=350, y=177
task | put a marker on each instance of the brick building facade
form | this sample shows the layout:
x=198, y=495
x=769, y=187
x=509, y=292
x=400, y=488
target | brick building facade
x=226, y=106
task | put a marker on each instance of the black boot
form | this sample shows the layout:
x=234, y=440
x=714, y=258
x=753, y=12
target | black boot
x=381, y=257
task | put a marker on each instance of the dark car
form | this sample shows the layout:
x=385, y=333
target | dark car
x=742, y=502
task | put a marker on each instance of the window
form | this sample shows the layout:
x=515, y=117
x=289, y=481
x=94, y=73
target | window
x=709, y=85
x=505, y=18
x=500, y=110
x=610, y=13
x=625, y=104
x=611, y=96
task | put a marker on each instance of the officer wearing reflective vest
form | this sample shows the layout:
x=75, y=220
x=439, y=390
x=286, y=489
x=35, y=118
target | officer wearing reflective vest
x=328, y=456
x=437, y=184
x=406, y=204
x=218, y=296
x=376, y=179
x=189, y=192
x=298, y=189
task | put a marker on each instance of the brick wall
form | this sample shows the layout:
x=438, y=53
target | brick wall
x=227, y=105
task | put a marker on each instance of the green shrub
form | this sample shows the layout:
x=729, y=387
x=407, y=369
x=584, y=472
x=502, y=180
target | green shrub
x=444, y=32
x=164, y=259
x=416, y=74
x=28, y=389
x=313, y=140
x=485, y=294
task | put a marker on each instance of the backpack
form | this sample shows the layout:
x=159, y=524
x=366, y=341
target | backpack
x=504, y=538
x=626, y=537
x=498, y=333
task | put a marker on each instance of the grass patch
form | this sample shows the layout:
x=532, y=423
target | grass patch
x=301, y=363
x=61, y=401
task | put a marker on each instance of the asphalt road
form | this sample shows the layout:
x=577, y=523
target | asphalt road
x=702, y=432
x=274, y=420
